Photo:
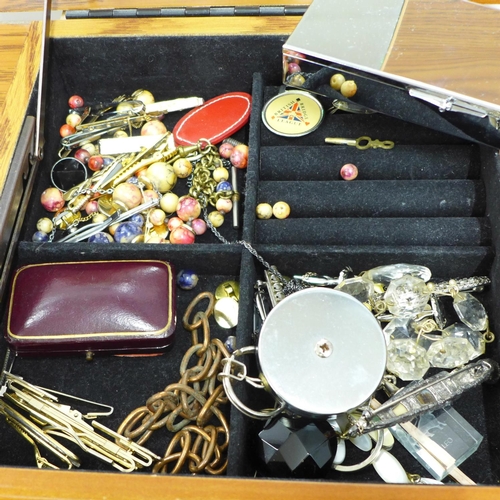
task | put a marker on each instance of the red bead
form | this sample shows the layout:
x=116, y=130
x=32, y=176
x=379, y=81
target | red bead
x=82, y=155
x=293, y=68
x=182, y=235
x=75, y=101
x=188, y=208
x=349, y=172
x=66, y=130
x=239, y=156
x=95, y=163
x=225, y=150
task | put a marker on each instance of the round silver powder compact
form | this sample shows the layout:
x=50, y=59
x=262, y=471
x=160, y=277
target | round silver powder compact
x=322, y=352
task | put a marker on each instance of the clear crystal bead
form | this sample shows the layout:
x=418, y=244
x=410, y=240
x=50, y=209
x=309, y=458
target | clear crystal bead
x=450, y=352
x=474, y=338
x=470, y=311
x=359, y=287
x=399, y=328
x=406, y=359
x=407, y=296
x=386, y=274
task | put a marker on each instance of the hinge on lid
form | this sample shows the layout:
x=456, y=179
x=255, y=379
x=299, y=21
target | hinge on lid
x=230, y=11
x=448, y=103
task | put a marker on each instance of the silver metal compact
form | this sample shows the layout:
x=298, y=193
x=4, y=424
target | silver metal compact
x=320, y=352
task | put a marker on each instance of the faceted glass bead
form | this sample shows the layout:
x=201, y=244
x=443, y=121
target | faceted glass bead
x=406, y=296
x=470, y=311
x=386, y=274
x=360, y=288
x=475, y=339
x=305, y=447
x=400, y=328
x=450, y=352
x=406, y=359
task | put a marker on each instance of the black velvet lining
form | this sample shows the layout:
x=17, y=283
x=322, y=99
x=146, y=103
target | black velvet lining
x=431, y=200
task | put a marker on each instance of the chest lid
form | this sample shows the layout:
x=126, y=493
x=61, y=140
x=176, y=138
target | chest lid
x=431, y=62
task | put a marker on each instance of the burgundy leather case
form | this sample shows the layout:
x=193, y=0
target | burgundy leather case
x=113, y=306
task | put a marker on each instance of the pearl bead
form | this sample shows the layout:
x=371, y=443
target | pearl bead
x=220, y=174
x=182, y=235
x=239, y=156
x=349, y=172
x=45, y=224
x=264, y=211
x=168, y=202
x=199, y=226
x=225, y=150
x=162, y=175
x=293, y=68
x=348, y=88
x=187, y=279
x=281, y=210
x=336, y=81
x=182, y=168
x=216, y=218
x=73, y=120
x=157, y=217
x=188, y=208
x=52, y=199
x=153, y=127
x=75, y=101
x=128, y=194
x=66, y=130
x=224, y=205
x=120, y=134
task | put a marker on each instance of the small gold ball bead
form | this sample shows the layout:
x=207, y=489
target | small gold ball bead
x=348, y=88
x=264, y=211
x=336, y=81
x=281, y=210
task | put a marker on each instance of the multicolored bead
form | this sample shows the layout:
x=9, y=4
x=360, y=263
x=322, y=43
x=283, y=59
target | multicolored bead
x=126, y=232
x=188, y=208
x=52, y=200
x=40, y=237
x=187, y=279
x=182, y=235
x=101, y=238
x=349, y=172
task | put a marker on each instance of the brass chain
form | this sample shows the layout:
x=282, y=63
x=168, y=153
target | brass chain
x=187, y=407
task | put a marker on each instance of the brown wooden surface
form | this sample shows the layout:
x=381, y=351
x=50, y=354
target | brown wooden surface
x=449, y=43
x=77, y=485
x=30, y=483
x=19, y=53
